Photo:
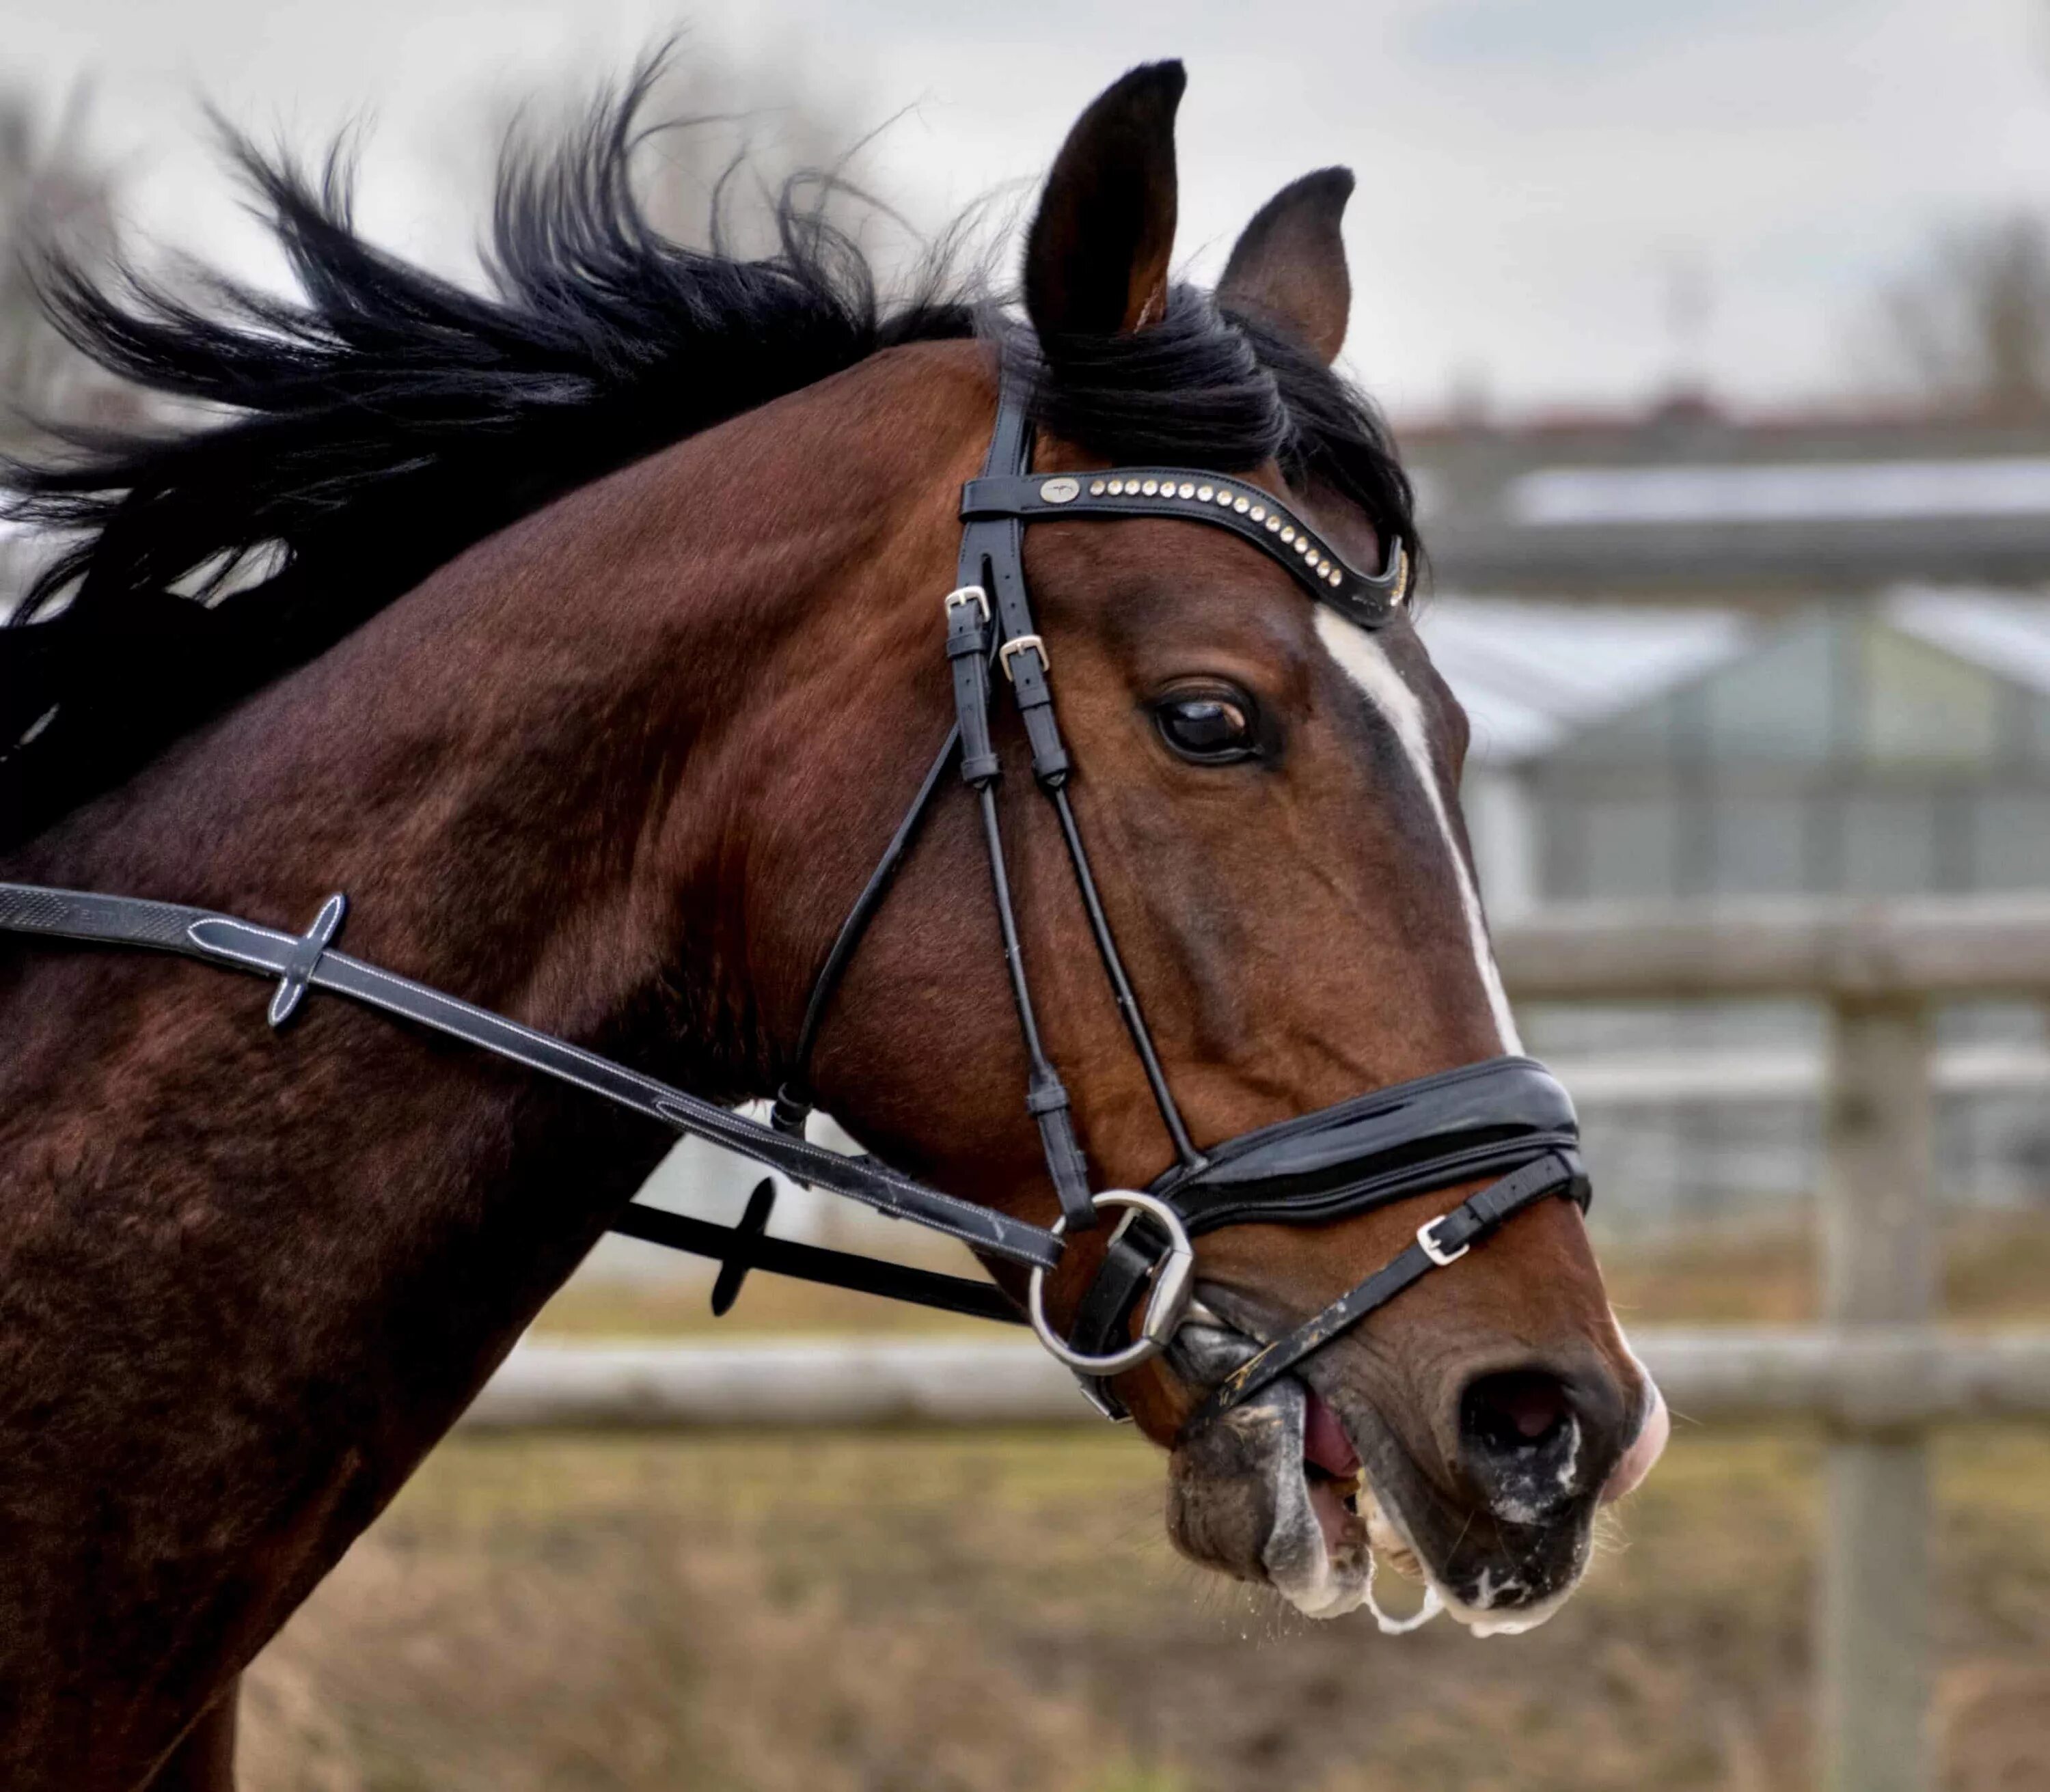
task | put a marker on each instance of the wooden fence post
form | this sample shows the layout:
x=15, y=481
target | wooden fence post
x=1878, y=1268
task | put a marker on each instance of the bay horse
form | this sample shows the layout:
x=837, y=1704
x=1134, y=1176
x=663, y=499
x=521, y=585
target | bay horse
x=587, y=631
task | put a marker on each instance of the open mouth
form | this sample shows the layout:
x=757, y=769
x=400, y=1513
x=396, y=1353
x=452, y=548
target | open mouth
x=1278, y=1489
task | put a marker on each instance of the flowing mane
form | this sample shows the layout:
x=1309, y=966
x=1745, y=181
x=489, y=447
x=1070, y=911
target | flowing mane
x=385, y=419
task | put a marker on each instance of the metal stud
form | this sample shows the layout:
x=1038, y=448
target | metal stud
x=1118, y=488
x=1273, y=523
x=1288, y=535
x=1203, y=494
x=1259, y=513
x=1096, y=488
x=1151, y=488
x=1337, y=577
x=1242, y=506
x=1302, y=544
x=1223, y=497
x=1187, y=490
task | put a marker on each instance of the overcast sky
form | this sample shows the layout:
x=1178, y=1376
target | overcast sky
x=1562, y=202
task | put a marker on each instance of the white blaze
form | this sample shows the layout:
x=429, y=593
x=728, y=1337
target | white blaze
x=1369, y=667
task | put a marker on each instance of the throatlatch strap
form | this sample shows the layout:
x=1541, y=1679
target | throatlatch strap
x=793, y=1103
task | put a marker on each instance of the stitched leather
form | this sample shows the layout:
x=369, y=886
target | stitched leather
x=1369, y=599
x=1556, y=1173
x=224, y=941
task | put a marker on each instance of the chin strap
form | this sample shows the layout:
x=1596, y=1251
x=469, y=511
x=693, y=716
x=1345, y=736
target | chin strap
x=1439, y=1243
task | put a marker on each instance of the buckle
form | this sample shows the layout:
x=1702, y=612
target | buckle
x=1017, y=643
x=969, y=593
x=1174, y=1278
x=1427, y=1242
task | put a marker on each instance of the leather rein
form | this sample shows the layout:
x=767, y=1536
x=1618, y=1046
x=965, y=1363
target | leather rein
x=1505, y=1117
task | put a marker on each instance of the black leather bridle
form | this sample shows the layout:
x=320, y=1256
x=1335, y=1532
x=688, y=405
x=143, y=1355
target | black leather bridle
x=1505, y=1117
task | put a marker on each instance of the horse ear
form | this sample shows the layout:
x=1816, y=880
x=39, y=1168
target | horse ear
x=1095, y=262
x=1288, y=266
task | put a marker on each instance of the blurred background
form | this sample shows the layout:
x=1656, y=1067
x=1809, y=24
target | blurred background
x=1718, y=335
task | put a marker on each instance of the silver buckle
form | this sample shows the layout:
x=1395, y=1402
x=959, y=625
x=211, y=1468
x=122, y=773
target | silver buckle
x=1017, y=643
x=969, y=593
x=1173, y=1281
x=1426, y=1239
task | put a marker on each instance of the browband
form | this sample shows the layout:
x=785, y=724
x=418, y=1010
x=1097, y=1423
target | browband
x=1254, y=514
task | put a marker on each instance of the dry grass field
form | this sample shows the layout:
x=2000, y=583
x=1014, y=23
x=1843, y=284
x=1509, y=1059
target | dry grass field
x=999, y=1612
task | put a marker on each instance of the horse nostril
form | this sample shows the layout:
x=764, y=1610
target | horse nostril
x=1520, y=1444
x=1514, y=1411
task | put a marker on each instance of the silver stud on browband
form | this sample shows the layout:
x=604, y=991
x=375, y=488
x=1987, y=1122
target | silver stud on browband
x=1065, y=488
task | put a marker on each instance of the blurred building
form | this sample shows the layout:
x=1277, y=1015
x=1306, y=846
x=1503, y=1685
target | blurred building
x=1707, y=659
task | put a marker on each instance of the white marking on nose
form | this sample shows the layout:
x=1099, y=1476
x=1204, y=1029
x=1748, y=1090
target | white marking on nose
x=1367, y=664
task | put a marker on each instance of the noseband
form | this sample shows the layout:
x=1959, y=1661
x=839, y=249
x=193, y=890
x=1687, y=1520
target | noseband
x=1505, y=1118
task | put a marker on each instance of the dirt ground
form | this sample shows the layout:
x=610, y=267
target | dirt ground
x=1001, y=1613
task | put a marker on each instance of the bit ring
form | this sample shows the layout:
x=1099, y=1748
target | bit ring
x=1174, y=1278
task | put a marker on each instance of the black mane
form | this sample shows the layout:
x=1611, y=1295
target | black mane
x=387, y=418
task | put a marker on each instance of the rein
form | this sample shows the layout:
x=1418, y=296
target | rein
x=1505, y=1117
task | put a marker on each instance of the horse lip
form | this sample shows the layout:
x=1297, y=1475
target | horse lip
x=1396, y=1482
x=1386, y=1464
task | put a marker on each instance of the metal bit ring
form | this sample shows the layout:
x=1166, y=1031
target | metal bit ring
x=1174, y=1277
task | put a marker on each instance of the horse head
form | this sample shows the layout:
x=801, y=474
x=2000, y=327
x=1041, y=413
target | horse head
x=1268, y=792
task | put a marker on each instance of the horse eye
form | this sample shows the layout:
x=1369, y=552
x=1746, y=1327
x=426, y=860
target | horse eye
x=1210, y=729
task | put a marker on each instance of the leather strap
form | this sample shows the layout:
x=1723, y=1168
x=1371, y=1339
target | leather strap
x=793, y=1103
x=1252, y=514
x=812, y=1262
x=240, y=945
x=1452, y=1235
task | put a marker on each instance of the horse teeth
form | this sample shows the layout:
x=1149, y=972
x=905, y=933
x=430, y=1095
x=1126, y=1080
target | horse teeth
x=1383, y=1540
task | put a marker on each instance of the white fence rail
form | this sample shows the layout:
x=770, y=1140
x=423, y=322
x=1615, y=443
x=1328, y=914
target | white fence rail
x=1867, y=1377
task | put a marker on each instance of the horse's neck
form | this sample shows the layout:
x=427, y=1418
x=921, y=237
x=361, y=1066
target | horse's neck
x=587, y=775
x=564, y=778
x=533, y=777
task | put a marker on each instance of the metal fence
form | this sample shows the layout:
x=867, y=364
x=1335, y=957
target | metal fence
x=1878, y=1373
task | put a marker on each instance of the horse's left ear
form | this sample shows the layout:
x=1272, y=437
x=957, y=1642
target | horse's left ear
x=1288, y=266
x=1095, y=264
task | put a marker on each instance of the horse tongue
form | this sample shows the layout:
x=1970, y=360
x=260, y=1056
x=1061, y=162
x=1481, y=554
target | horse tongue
x=1325, y=1443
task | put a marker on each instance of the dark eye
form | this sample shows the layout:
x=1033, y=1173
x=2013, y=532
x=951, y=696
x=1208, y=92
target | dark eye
x=1209, y=727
